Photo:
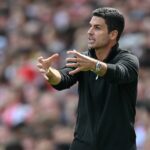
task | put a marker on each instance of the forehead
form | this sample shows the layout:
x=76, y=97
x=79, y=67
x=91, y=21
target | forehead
x=97, y=21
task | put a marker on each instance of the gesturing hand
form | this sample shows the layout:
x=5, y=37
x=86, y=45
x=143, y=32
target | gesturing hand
x=80, y=62
x=44, y=64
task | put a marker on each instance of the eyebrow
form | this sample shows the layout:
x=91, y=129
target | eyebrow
x=95, y=24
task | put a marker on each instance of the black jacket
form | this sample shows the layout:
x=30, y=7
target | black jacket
x=106, y=108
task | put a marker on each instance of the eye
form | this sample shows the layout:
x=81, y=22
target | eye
x=97, y=27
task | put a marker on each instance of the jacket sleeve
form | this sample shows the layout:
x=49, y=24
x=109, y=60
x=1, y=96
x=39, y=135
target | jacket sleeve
x=125, y=70
x=66, y=80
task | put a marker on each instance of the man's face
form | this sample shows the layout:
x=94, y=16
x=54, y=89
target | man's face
x=98, y=36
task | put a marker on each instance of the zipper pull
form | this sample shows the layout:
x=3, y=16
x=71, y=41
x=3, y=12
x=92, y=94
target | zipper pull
x=96, y=77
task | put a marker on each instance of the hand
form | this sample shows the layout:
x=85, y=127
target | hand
x=44, y=64
x=80, y=62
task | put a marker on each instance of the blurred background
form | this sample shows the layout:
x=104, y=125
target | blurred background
x=34, y=116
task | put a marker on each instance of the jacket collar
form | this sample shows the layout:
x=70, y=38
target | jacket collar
x=111, y=55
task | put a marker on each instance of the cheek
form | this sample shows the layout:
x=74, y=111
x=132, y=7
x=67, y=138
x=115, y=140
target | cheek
x=102, y=38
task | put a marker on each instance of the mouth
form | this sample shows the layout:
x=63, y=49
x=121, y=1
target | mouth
x=91, y=40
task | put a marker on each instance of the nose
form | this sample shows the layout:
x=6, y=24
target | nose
x=90, y=31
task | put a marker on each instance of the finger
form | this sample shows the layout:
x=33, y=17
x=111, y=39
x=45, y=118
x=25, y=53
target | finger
x=53, y=57
x=71, y=59
x=42, y=70
x=76, y=59
x=74, y=71
x=45, y=76
x=74, y=52
x=72, y=65
x=39, y=65
x=40, y=59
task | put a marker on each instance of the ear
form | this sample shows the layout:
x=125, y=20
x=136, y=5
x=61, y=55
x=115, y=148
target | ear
x=113, y=34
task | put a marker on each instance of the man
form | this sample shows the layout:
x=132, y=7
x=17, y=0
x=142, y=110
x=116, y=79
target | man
x=107, y=78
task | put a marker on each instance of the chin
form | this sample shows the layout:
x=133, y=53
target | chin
x=91, y=46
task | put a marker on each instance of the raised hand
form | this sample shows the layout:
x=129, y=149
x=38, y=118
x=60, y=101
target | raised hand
x=80, y=62
x=44, y=64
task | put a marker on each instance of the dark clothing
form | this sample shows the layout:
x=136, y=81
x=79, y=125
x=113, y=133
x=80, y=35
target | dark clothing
x=106, y=108
x=77, y=144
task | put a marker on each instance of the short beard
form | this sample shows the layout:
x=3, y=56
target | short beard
x=100, y=47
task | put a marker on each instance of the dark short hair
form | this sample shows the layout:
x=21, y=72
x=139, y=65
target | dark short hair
x=113, y=18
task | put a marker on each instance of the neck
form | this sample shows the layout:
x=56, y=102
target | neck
x=103, y=52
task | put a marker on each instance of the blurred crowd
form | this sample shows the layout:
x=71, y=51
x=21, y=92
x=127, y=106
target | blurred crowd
x=33, y=115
